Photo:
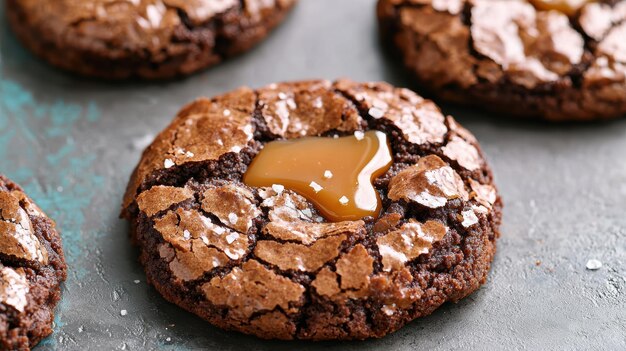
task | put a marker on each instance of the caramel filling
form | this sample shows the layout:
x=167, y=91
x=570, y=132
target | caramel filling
x=568, y=7
x=335, y=174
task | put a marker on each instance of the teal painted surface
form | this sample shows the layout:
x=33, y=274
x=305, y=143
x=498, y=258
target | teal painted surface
x=54, y=174
x=53, y=168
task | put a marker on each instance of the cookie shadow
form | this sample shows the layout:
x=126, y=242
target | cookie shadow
x=191, y=332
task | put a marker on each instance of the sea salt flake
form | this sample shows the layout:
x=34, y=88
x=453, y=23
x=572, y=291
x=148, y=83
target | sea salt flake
x=226, y=112
x=593, y=264
x=219, y=230
x=235, y=149
x=231, y=255
x=186, y=234
x=307, y=213
x=292, y=104
x=232, y=218
x=359, y=135
x=380, y=104
x=343, y=200
x=388, y=310
x=316, y=187
x=317, y=103
x=123, y=312
x=248, y=131
x=282, y=95
x=230, y=238
x=189, y=154
x=469, y=218
x=168, y=163
x=328, y=174
x=136, y=281
x=376, y=112
x=278, y=188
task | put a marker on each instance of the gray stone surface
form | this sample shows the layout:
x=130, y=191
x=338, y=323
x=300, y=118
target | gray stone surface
x=73, y=143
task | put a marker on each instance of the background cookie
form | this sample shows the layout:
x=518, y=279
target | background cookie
x=262, y=261
x=146, y=38
x=32, y=267
x=508, y=56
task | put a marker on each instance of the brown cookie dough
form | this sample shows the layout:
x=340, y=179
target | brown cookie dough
x=263, y=261
x=32, y=267
x=510, y=57
x=115, y=39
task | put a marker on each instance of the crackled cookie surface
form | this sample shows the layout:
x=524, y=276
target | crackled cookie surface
x=555, y=59
x=264, y=261
x=115, y=39
x=32, y=267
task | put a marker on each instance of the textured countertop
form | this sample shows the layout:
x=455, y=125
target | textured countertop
x=72, y=144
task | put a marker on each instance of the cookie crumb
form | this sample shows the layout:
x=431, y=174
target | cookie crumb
x=593, y=264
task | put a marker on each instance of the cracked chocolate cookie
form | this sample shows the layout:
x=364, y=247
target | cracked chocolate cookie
x=558, y=60
x=32, y=268
x=265, y=260
x=115, y=39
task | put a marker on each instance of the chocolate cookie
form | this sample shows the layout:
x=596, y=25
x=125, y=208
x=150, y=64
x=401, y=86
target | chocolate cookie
x=264, y=261
x=115, y=39
x=32, y=268
x=567, y=63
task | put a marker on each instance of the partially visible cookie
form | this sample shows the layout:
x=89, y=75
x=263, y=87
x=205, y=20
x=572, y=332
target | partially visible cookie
x=32, y=267
x=264, y=260
x=115, y=39
x=568, y=63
